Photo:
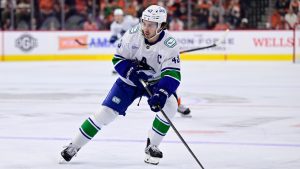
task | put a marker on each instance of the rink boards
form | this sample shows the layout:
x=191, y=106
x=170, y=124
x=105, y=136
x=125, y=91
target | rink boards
x=61, y=45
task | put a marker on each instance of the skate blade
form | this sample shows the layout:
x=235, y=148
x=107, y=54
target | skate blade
x=62, y=161
x=186, y=115
x=151, y=160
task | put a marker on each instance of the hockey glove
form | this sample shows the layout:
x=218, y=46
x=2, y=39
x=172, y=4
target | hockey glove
x=122, y=32
x=113, y=39
x=134, y=76
x=159, y=98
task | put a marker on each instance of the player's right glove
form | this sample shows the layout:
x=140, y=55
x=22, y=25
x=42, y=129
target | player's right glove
x=134, y=75
x=159, y=98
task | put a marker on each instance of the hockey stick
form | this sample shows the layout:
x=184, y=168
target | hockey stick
x=172, y=125
x=217, y=43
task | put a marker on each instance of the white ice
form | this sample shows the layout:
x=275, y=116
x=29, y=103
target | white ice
x=245, y=115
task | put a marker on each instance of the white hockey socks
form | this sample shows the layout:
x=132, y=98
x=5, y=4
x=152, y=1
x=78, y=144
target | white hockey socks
x=93, y=124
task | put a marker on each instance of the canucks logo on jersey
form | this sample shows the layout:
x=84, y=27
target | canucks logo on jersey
x=170, y=42
x=142, y=65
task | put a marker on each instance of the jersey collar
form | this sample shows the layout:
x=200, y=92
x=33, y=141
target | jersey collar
x=161, y=35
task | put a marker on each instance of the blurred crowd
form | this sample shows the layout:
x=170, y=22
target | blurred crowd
x=286, y=14
x=98, y=14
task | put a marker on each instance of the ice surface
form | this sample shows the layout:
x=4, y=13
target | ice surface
x=245, y=115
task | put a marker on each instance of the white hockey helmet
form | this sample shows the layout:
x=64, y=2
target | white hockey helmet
x=155, y=13
x=118, y=12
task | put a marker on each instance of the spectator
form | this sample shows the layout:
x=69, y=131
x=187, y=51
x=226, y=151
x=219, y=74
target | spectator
x=23, y=16
x=291, y=19
x=180, y=10
x=216, y=13
x=3, y=9
x=277, y=21
x=222, y=25
x=46, y=10
x=132, y=9
x=46, y=6
x=81, y=7
x=89, y=7
x=100, y=21
x=295, y=5
x=244, y=24
x=234, y=13
x=282, y=6
x=203, y=13
x=49, y=15
x=176, y=24
x=89, y=24
x=5, y=15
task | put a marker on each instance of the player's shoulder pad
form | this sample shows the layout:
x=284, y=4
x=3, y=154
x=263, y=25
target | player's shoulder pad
x=128, y=38
x=134, y=29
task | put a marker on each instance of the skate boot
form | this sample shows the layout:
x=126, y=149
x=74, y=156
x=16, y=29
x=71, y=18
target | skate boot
x=153, y=154
x=184, y=111
x=68, y=153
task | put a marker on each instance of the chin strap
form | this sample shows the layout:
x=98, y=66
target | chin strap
x=158, y=31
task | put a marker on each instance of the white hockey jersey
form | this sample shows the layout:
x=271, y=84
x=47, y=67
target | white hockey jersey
x=118, y=29
x=158, y=60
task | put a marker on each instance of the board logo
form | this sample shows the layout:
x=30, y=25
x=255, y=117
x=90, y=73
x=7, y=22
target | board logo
x=26, y=42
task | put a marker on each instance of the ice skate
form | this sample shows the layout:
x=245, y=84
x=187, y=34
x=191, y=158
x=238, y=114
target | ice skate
x=184, y=111
x=153, y=154
x=68, y=153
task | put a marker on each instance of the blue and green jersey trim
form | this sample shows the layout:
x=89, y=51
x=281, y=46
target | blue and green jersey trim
x=171, y=72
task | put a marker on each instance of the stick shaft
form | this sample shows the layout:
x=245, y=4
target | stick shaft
x=172, y=125
x=200, y=48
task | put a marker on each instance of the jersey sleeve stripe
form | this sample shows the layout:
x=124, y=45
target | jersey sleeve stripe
x=117, y=59
x=170, y=68
x=172, y=73
x=119, y=56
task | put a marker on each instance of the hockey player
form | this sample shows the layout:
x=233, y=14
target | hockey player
x=146, y=52
x=120, y=25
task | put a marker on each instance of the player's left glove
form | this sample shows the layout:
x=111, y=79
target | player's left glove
x=135, y=76
x=159, y=98
x=113, y=39
x=122, y=32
